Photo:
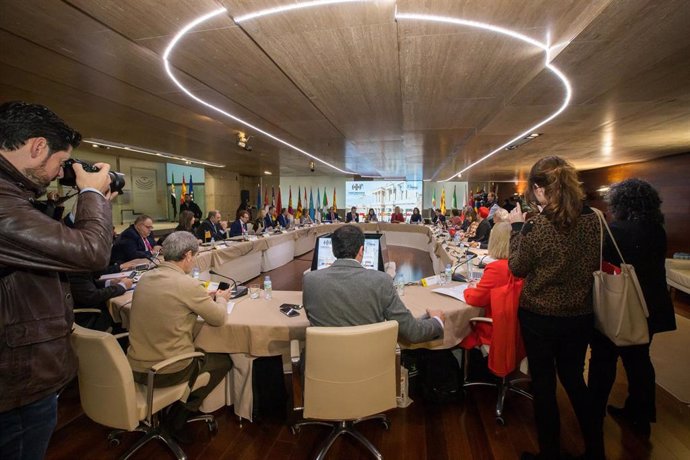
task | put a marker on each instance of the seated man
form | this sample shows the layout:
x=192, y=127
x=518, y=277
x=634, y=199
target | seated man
x=90, y=292
x=212, y=228
x=269, y=222
x=164, y=312
x=352, y=215
x=136, y=242
x=239, y=227
x=284, y=218
x=347, y=294
x=332, y=215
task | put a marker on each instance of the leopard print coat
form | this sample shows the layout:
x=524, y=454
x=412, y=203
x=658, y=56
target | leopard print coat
x=557, y=267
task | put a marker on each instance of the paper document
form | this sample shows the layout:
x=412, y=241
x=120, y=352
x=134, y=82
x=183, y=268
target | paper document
x=230, y=306
x=457, y=292
x=111, y=276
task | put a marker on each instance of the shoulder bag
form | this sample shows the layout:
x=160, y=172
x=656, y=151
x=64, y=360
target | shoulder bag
x=620, y=310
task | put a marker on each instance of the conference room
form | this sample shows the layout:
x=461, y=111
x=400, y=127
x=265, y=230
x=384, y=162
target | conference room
x=268, y=130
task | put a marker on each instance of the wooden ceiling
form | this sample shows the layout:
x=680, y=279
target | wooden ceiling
x=352, y=85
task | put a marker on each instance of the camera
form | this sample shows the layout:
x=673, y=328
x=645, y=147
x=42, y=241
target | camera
x=69, y=178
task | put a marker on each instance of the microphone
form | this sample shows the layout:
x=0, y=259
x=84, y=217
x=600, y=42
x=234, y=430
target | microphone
x=239, y=291
x=458, y=276
x=153, y=261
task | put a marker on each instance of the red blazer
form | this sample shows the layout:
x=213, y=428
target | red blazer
x=397, y=217
x=507, y=349
x=496, y=274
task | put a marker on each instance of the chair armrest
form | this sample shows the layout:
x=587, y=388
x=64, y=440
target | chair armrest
x=163, y=364
x=480, y=319
x=297, y=384
x=398, y=354
x=678, y=264
x=86, y=310
x=121, y=335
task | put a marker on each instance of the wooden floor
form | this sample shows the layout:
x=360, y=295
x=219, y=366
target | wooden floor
x=423, y=431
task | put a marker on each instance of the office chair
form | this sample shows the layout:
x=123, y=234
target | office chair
x=508, y=377
x=349, y=377
x=110, y=396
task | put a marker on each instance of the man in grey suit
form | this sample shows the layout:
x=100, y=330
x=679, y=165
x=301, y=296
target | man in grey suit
x=347, y=294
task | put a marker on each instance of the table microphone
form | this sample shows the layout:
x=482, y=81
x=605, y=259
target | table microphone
x=458, y=276
x=239, y=291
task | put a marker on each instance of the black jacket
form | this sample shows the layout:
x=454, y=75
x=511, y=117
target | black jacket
x=643, y=246
x=216, y=232
x=130, y=246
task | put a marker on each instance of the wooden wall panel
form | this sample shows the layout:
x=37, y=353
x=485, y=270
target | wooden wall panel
x=669, y=175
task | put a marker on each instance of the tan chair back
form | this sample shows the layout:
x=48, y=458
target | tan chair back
x=350, y=371
x=106, y=384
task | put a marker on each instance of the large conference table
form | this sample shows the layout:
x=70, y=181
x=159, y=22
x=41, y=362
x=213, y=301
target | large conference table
x=256, y=327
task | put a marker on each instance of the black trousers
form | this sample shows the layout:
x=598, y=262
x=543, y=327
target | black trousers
x=557, y=345
x=641, y=401
x=216, y=364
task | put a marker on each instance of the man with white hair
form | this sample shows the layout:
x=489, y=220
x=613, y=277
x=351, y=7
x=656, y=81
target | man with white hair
x=165, y=308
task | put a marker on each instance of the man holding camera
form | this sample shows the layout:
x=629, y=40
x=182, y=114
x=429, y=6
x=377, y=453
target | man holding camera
x=36, y=359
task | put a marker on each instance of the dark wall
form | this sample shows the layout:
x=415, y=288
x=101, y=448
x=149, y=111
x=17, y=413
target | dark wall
x=670, y=176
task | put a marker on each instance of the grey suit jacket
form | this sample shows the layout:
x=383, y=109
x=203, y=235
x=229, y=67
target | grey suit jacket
x=347, y=294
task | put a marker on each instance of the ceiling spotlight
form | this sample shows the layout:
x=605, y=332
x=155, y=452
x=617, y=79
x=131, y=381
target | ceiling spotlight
x=522, y=141
x=268, y=173
x=243, y=141
x=312, y=166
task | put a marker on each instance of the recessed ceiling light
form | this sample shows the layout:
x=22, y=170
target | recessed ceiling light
x=268, y=173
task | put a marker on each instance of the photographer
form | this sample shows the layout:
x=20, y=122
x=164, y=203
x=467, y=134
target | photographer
x=36, y=317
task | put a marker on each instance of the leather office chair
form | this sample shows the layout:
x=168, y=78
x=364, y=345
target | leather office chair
x=110, y=396
x=349, y=377
x=507, y=381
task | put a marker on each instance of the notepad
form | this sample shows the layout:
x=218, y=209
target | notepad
x=457, y=292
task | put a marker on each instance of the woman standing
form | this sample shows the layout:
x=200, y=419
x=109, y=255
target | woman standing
x=556, y=252
x=638, y=229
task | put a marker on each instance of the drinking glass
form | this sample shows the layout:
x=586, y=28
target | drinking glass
x=254, y=291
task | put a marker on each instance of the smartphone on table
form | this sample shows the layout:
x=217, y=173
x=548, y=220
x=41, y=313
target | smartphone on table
x=290, y=310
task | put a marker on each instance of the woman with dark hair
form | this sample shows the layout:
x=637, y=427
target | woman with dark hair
x=185, y=220
x=416, y=217
x=455, y=220
x=470, y=216
x=638, y=229
x=556, y=252
x=371, y=216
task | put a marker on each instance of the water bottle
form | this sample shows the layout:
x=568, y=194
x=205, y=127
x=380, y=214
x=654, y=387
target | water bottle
x=195, y=273
x=449, y=274
x=399, y=284
x=268, y=288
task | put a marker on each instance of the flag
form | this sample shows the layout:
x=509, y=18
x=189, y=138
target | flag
x=273, y=196
x=433, y=199
x=325, y=200
x=183, y=192
x=311, y=204
x=335, y=203
x=173, y=196
x=258, y=197
x=290, y=210
x=443, y=200
x=298, y=214
x=266, y=196
x=318, y=201
x=279, y=203
x=191, y=188
x=455, y=198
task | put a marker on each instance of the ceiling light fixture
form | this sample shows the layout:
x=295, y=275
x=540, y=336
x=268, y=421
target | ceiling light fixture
x=268, y=173
x=523, y=141
x=116, y=145
x=421, y=17
x=501, y=30
x=168, y=70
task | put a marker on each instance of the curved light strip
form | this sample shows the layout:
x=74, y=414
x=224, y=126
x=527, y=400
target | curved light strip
x=518, y=36
x=168, y=70
x=420, y=17
x=294, y=6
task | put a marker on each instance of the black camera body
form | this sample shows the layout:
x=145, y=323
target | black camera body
x=69, y=178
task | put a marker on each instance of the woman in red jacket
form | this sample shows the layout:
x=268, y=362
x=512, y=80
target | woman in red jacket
x=496, y=274
x=397, y=216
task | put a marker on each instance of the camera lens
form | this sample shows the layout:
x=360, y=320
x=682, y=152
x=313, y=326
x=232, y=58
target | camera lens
x=69, y=178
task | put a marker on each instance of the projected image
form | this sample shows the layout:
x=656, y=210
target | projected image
x=383, y=197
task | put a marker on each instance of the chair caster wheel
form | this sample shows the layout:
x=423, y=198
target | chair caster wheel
x=113, y=440
x=212, y=427
x=387, y=425
x=294, y=429
x=500, y=421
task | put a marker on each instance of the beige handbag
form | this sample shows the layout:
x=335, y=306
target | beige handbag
x=620, y=311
